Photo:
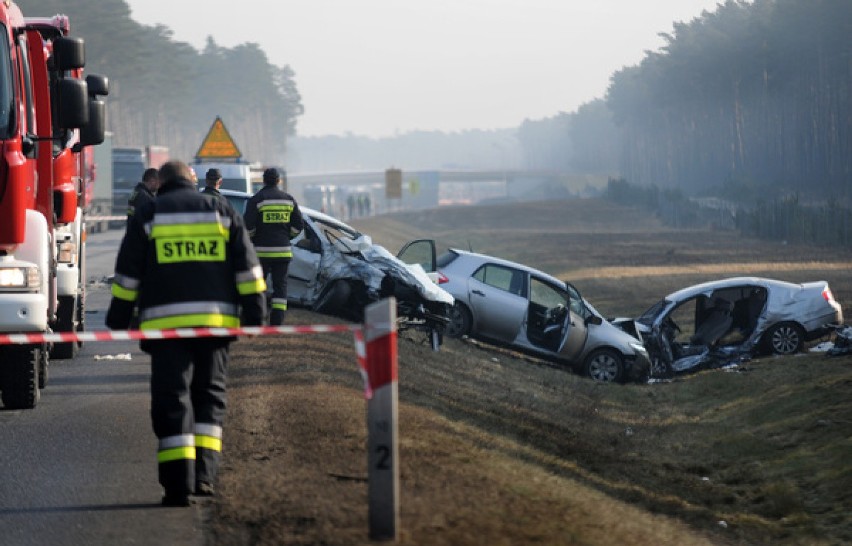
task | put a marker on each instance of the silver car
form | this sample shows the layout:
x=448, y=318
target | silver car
x=338, y=270
x=725, y=321
x=523, y=308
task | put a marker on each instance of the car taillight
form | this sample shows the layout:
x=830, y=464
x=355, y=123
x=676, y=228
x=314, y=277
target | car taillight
x=442, y=278
x=826, y=294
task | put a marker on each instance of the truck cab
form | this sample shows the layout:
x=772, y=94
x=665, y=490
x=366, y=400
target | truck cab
x=49, y=115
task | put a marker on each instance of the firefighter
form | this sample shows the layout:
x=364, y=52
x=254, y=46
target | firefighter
x=144, y=191
x=186, y=261
x=273, y=218
x=212, y=182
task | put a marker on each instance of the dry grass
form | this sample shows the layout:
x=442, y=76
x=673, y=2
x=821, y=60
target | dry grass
x=497, y=448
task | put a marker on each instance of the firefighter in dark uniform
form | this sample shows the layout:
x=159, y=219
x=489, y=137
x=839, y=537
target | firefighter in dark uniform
x=144, y=191
x=212, y=181
x=273, y=218
x=186, y=261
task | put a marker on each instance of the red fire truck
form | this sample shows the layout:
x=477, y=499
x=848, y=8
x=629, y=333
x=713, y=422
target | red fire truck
x=49, y=115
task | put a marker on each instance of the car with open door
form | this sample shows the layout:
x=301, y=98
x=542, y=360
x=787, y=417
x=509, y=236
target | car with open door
x=513, y=305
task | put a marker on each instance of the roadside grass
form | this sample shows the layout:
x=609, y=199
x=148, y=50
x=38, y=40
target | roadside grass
x=501, y=448
x=757, y=455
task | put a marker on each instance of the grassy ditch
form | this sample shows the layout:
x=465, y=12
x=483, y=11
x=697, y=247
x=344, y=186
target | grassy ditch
x=500, y=448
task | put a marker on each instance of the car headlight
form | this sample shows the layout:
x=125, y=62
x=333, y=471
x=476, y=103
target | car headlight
x=638, y=347
x=16, y=278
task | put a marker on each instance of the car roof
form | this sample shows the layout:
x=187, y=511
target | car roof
x=235, y=193
x=508, y=263
x=690, y=291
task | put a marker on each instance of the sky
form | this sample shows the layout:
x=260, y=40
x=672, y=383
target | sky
x=380, y=68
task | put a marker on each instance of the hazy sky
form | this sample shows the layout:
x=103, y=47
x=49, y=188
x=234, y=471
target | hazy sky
x=381, y=67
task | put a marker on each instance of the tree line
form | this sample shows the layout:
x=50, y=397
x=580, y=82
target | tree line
x=168, y=93
x=755, y=95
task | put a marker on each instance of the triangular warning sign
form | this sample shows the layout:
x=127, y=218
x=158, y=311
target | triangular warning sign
x=218, y=144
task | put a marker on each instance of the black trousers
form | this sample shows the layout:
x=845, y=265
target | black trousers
x=277, y=268
x=188, y=402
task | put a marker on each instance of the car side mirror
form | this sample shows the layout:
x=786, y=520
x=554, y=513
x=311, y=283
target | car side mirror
x=594, y=319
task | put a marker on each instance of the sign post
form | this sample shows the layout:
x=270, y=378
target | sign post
x=382, y=408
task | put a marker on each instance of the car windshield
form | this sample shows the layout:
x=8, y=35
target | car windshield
x=647, y=318
x=338, y=233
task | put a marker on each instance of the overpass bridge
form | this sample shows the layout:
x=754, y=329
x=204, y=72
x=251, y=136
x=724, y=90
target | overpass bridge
x=339, y=192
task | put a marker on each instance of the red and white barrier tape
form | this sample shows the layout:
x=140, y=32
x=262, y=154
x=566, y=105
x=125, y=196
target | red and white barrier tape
x=177, y=333
x=105, y=218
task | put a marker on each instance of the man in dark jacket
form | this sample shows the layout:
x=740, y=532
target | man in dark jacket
x=144, y=191
x=186, y=261
x=212, y=182
x=273, y=218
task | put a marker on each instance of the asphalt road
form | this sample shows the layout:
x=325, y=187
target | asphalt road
x=80, y=468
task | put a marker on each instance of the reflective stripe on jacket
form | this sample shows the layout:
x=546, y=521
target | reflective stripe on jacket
x=273, y=217
x=186, y=261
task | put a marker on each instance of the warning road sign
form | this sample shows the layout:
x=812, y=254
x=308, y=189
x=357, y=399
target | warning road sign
x=218, y=144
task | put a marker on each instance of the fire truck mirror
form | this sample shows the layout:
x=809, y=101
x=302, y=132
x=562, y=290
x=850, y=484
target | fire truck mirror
x=98, y=85
x=93, y=132
x=73, y=104
x=70, y=53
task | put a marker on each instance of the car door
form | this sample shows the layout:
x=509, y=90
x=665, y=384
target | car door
x=422, y=252
x=498, y=299
x=574, y=329
x=303, y=271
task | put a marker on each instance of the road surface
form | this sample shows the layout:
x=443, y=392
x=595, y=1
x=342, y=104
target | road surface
x=80, y=468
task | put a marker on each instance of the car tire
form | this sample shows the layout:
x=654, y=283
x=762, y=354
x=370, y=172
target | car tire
x=460, y=321
x=605, y=365
x=660, y=369
x=785, y=338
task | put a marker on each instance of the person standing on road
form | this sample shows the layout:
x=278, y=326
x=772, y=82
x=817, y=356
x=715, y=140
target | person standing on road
x=144, y=191
x=273, y=218
x=212, y=182
x=186, y=261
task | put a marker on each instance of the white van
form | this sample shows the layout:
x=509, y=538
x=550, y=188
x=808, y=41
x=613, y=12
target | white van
x=235, y=176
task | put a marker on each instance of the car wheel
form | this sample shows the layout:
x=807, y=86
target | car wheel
x=785, y=338
x=660, y=369
x=605, y=365
x=460, y=321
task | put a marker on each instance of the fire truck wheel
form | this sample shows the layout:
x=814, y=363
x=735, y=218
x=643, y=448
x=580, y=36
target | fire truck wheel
x=43, y=363
x=65, y=322
x=20, y=376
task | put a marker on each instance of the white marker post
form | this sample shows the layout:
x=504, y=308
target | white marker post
x=382, y=408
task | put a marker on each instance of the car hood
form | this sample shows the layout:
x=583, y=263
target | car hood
x=370, y=263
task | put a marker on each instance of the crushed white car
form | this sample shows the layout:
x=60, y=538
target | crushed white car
x=338, y=270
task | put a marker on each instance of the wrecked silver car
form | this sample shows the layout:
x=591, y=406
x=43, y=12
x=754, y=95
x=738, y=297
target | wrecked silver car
x=338, y=270
x=728, y=321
